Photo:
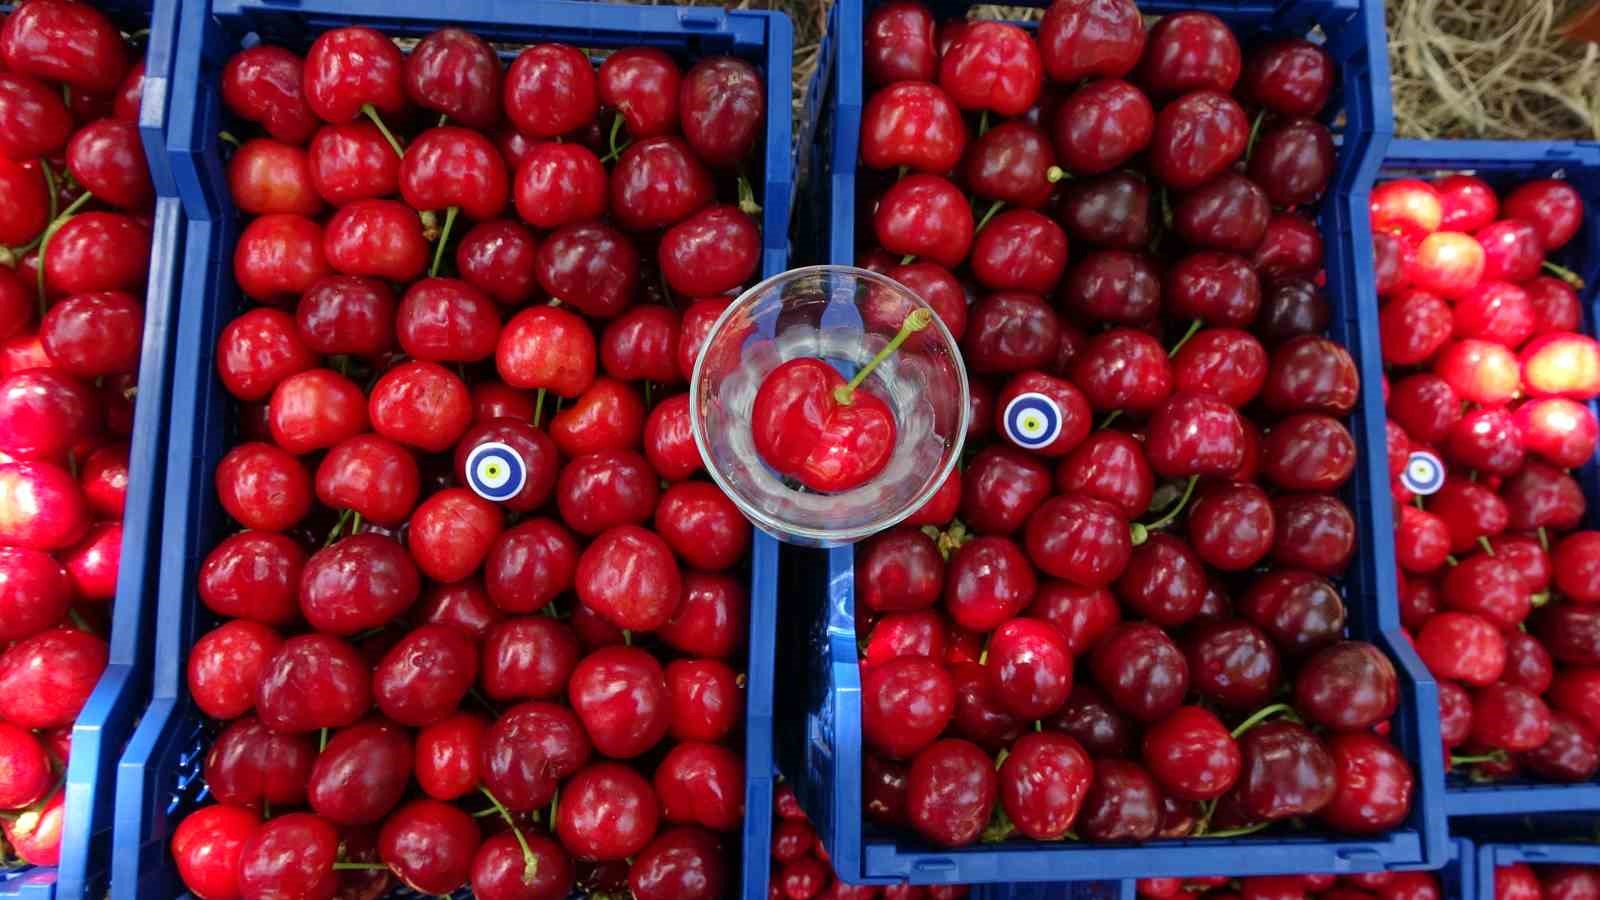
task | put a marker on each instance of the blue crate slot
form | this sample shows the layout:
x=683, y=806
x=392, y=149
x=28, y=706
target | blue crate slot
x=112, y=710
x=821, y=753
x=1506, y=164
x=158, y=777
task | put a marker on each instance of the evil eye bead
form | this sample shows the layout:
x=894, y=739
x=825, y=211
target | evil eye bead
x=495, y=471
x=1032, y=421
x=1423, y=474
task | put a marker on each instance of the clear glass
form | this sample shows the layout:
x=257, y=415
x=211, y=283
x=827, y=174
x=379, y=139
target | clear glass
x=844, y=315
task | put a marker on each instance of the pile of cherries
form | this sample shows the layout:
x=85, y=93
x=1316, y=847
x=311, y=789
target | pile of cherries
x=1557, y=882
x=75, y=193
x=801, y=869
x=481, y=615
x=1123, y=630
x=1489, y=390
x=1371, y=886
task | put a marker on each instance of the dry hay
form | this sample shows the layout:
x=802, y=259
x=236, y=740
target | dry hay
x=1492, y=69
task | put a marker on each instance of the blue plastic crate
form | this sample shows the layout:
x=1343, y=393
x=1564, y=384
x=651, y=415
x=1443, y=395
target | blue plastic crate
x=158, y=780
x=822, y=752
x=118, y=699
x=1506, y=164
x=1491, y=855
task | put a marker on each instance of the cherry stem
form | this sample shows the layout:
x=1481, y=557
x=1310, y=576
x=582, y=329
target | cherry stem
x=1539, y=599
x=553, y=806
x=530, y=863
x=1484, y=543
x=371, y=112
x=44, y=244
x=1255, y=131
x=993, y=208
x=1544, y=539
x=747, y=198
x=322, y=741
x=228, y=138
x=443, y=118
x=1259, y=716
x=50, y=185
x=491, y=811
x=1166, y=210
x=338, y=527
x=616, y=128
x=538, y=407
x=1055, y=174
x=904, y=170
x=915, y=322
x=983, y=123
x=1239, y=832
x=1450, y=558
x=77, y=619
x=1495, y=757
x=1141, y=532
x=1193, y=327
x=1110, y=417
x=627, y=638
x=355, y=524
x=906, y=260
x=358, y=867
x=1565, y=274
x=444, y=238
x=1419, y=504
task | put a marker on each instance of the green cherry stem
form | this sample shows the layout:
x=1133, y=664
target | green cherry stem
x=915, y=322
x=44, y=243
x=1495, y=757
x=1565, y=274
x=371, y=112
x=357, y=867
x=993, y=208
x=1255, y=132
x=444, y=238
x=227, y=138
x=530, y=863
x=1261, y=715
x=747, y=198
x=1484, y=543
x=49, y=185
x=1193, y=327
x=1141, y=532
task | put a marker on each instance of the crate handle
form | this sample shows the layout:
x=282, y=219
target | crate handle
x=703, y=18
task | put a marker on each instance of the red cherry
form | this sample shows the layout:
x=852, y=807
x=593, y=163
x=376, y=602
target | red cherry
x=455, y=167
x=899, y=44
x=559, y=184
x=73, y=43
x=1197, y=137
x=1220, y=289
x=684, y=863
x=445, y=320
x=1292, y=245
x=1114, y=286
x=701, y=784
x=528, y=750
x=925, y=215
x=293, y=853
x=28, y=210
x=629, y=576
x=208, y=845
x=703, y=526
x=529, y=565
x=361, y=774
x=607, y=812
x=1009, y=162
x=912, y=124
x=1467, y=203
x=810, y=426
x=950, y=792
x=1228, y=212
x=1407, y=207
x=1512, y=251
x=344, y=314
x=1374, y=781
x=347, y=69
x=1192, y=435
x=1191, y=754
x=1462, y=646
x=351, y=162
x=547, y=347
x=1190, y=51
x=1141, y=671
x=382, y=238
x=906, y=704
x=1010, y=332
x=712, y=252
x=1043, y=782
x=1290, y=76
x=1020, y=250
x=497, y=258
x=1029, y=667
x=107, y=159
x=1101, y=38
x=1553, y=207
x=551, y=90
x=1576, y=564
x=668, y=440
x=360, y=582
x=1123, y=369
x=455, y=72
x=34, y=120
x=1123, y=803
x=1508, y=717
x=429, y=845
x=658, y=182
x=1449, y=263
x=1293, y=162
x=722, y=105
x=500, y=867
x=99, y=251
x=1109, y=466
x=641, y=84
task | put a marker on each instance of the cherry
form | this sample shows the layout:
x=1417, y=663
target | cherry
x=497, y=259
x=1030, y=668
x=374, y=476
x=548, y=348
x=1301, y=611
x=607, y=812
x=1466, y=203
x=1287, y=772
x=1562, y=365
x=292, y=854
x=1123, y=369
x=1374, y=781
x=1570, y=754
x=456, y=168
x=640, y=345
x=352, y=161
x=500, y=870
x=697, y=323
x=262, y=84
x=1232, y=663
x=28, y=210
x=950, y=792
x=1141, y=671
x=98, y=251
x=641, y=84
x=898, y=44
x=1553, y=207
x=629, y=576
x=429, y=845
x=722, y=105
x=263, y=487
x=906, y=704
x=1422, y=540
x=1541, y=496
x=528, y=750
x=680, y=862
x=456, y=73
x=422, y=405
x=1190, y=51
x=1197, y=137
x=258, y=350
x=208, y=845
x=1111, y=210
x=1191, y=434
x=313, y=681
x=382, y=238
x=1314, y=531
x=45, y=415
x=107, y=159
x=899, y=569
x=1290, y=76
x=1191, y=754
x=620, y=694
x=1020, y=250
x=104, y=480
x=551, y=90
x=925, y=215
x=560, y=184
x=1114, y=286
x=912, y=124
x=1462, y=646
x=1426, y=406
x=361, y=774
x=1000, y=488
x=1490, y=587
x=658, y=182
x=1231, y=527
x=529, y=565
x=1101, y=38
x=445, y=320
x=1293, y=162
x=447, y=754
x=1043, y=782
x=1470, y=511
x=1102, y=125
x=1292, y=245
x=347, y=314
x=1309, y=452
x=253, y=575
x=989, y=581
x=423, y=678
x=1570, y=632
x=979, y=717
x=1516, y=882
x=607, y=417
x=1508, y=717
x=1414, y=325
x=1570, y=882
x=1108, y=466
x=1576, y=564
x=701, y=784
x=1512, y=251
x=1449, y=264
x=35, y=121
x=712, y=252
x=1564, y=432
x=1292, y=307
x=810, y=424
x=1408, y=208
x=226, y=663
x=703, y=526
x=1010, y=162
x=705, y=699
x=94, y=335
x=794, y=838
x=1220, y=289
x=250, y=765
x=73, y=43
x=1349, y=686
x=528, y=658
x=1123, y=803
x=1010, y=332
x=1228, y=212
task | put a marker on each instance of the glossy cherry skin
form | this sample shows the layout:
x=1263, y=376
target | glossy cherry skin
x=1196, y=137
x=680, y=862
x=499, y=869
x=1010, y=162
x=1164, y=581
x=1374, y=785
x=538, y=452
x=722, y=105
x=609, y=416
x=1191, y=754
x=1562, y=431
x=1425, y=405
x=528, y=750
x=429, y=845
x=1470, y=511
x=1542, y=496
x=293, y=854
x=361, y=774
x=1448, y=263
x=348, y=68
x=1512, y=251
x=989, y=580
x=899, y=44
x=73, y=43
x=422, y=405
x=1314, y=531
x=1462, y=646
x=641, y=84
x=1141, y=671
x=1042, y=784
x=898, y=570
x=1030, y=668
x=98, y=251
x=373, y=476
x=263, y=487
x=107, y=158
x=497, y=258
x=668, y=442
x=629, y=576
x=551, y=90
x=265, y=176
x=1218, y=288
x=1422, y=540
x=1569, y=754
x=313, y=681
x=1490, y=587
x=1102, y=125
x=906, y=704
x=1111, y=210
x=1570, y=632
x=382, y=238
x=620, y=694
x=352, y=161
x=1576, y=563
x=1301, y=611
x=1509, y=717
x=980, y=717
x=1229, y=212
x=27, y=204
x=35, y=594
x=455, y=167
x=701, y=784
x=925, y=215
x=1102, y=38
x=1406, y=207
x=607, y=811
x=712, y=252
x=33, y=118
x=249, y=764
x=1231, y=527
x=1553, y=207
x=529, y=565
x=803, y=429
x=447, y=756
x=1020, y=250
x=1287, y=772
x=1309, y=452
x=253, y=575
x=912, y=124
x=1108, y=466
x=1000, y=488
x=207, y=846
x=1234, y=664
x=423, y=678
x=1290, y=76
x=1114, y=286
x=1123, y=803
x=558, y=184
x=640, y=345
x=705, y=702
x=1292, y=245
x=605, y=489
x=1191, y=434
x=950, y=792
x=1190, y=51
x=656, y=183
x=457, y=73
x=547, y=347
x=1293, y=162
x=528, y=658
x=992, y=66
x=1010, y=332
x=45, y=415
x=1225, y=363
x=445, y=320
x=1414, y=325
x=1311, y=374
x=361, y=582
x=225, y=665
x=703, y=526
x=94, y=335
x=1349, y=686
x=1123, y=369
x=1562, y=365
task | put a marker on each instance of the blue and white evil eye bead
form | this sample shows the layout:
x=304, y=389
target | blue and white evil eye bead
x=1423, y=474
x=1032, y=421
x=495, y=471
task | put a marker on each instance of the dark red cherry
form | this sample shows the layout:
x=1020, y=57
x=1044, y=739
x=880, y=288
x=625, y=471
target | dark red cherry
x=1229, y=212
x=1102, y=125
x=1190, y=51
x=641, y=84
x=722, y=106
x=1141, y=671
x=1293, y=161
x=1290, y=76
x=1197, y=137
x=1114, y=286
x=1220, y=289
x=456, y=73
x=1112, y=210
x=1009, y=162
